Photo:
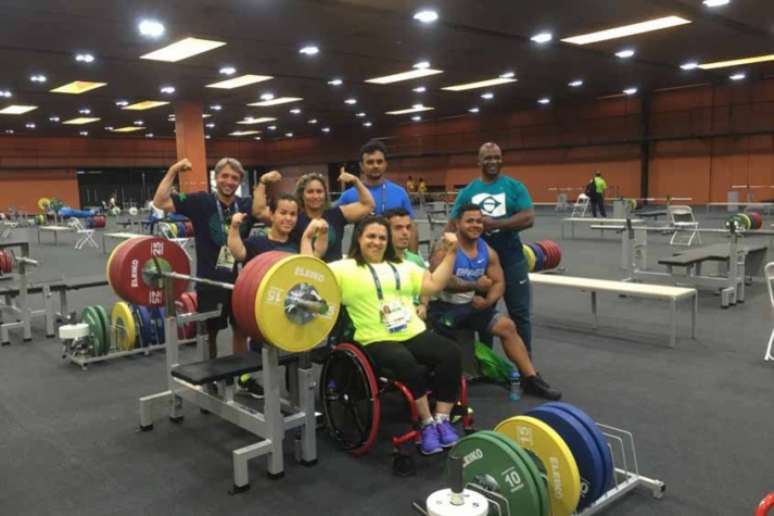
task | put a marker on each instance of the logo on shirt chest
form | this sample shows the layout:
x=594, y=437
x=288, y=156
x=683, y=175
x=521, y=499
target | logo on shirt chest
x=492, y=205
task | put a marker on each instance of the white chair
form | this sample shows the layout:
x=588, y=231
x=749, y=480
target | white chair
x=769, y=280
x=681, y=217
x=85, y=236
x=581, y=206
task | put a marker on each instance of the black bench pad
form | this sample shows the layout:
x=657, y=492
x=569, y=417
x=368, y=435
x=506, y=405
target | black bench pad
x=224, y=368
x=717, y=252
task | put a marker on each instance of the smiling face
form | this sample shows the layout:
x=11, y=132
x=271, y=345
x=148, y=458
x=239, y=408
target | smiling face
x=490, y=159
x=400, y=230
x=227, y=181
x=373, y=242
x=314, y=195
x=471, y=224
x=373, y=165
x=284, y=217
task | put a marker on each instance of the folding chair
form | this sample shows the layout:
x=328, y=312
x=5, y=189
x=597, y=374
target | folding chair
x=85, y=236
x=581, y=206
x=681, y=217
x=769, y=280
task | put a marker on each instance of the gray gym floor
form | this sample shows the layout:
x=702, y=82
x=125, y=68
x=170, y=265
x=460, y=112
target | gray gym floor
x=700, y=413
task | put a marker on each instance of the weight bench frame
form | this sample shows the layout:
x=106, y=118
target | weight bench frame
x=269, y=425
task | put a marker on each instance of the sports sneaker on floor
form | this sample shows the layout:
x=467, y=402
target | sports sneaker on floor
x=249, y=386
x=447, y=434
x=536, y=386
x=431, y=443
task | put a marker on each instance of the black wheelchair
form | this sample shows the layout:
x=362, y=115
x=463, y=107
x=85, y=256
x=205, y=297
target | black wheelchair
x=351, y=394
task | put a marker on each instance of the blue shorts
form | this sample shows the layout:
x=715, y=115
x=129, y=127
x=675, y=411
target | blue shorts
x=445, y=317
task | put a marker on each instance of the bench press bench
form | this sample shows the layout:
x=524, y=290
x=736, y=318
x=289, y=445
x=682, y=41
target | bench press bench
x=644, y=290
x=596, y=221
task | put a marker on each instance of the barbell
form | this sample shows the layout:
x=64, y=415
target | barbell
x=290, y=301
x=9, y=262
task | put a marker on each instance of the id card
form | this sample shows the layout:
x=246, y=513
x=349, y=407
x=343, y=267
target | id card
x=395, y=317
x=225, y=259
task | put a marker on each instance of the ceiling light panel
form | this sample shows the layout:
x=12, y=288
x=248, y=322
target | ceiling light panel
x=238, y=82
x=17, y=109
x=627, y=30
x=404, y=76
x=78, y=87
x=737, y=62
x=276, y=101
x=480, y=84
x=145, y=104
x=183, y=49
x=417, y=108
x=81, y=121
x=128, y=129
x=261, y=120
x=243, y=133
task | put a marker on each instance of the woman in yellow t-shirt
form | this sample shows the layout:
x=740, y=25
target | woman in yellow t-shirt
x=378, y=290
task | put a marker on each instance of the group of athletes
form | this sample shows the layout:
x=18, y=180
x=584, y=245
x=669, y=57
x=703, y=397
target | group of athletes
x=401, y=311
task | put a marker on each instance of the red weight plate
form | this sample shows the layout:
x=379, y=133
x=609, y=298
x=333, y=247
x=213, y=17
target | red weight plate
x=128, y=265
x=545, y=245
x=4, y=268
x=246, y=289
x=756, y=219
x=188, y=305
x=112, y=271
x=193, y=296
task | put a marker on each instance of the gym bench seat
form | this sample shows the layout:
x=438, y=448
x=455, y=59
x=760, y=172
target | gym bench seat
x=224, y=368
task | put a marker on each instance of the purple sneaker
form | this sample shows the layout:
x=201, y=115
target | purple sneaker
x=446, y=433
x=431, y=443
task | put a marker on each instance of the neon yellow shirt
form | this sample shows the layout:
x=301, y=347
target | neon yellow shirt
x=601, y=184
x=358, y=295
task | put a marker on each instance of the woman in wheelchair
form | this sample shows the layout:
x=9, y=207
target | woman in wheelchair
x=378, y=289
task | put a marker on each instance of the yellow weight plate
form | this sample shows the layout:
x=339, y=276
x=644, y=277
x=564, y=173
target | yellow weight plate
x=172, y=229
x=288, y=273
x=44, y=203
x=124, y=329
x=564, y=484
x=529, y=254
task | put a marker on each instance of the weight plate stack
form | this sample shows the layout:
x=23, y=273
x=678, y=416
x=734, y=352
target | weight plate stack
x=105, y=320
x=124, y=326
x=540, y=256
x=529, y=254
x=90, y=316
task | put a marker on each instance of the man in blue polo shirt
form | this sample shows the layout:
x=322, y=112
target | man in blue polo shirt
x=507, y=209
x=387, y=195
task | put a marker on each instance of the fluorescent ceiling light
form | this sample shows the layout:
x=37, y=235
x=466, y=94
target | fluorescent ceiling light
x=38, y=78
x=416, y=108
x=84, y=58
x=326, y=129
x=16, y=109
x=576, y=84
x=542, y=37
x=272, y=128
x=206, y=115
x=420, y=89
x=480, y=84
x=149, y=135
x=312, y=121
x=227, y=70
x=238, y=82
x=84, y=111
x=251, y=121
x=151, y=28
x=416, y=118
x=361, y=114
x=108, y=128
x=351, y=102
x=207, y=136
x=9, y=131
x=122, y=103
x=295, y=111
x=716, y=3
x=139, y=123
x=630, y=91
x=216, y=107
x=145, y=104
x=183, y=49
x=289, y=135
x=737, y=77
x=426, y=16
x=267, y=96
x=487, y=96
x=30, y=125
x=6, y=94
x=243, y=133
x=53, y=119
x=404, y=76
x=627, y=30
x=544, y=101
x=78, y=87
x=257, y=138
x=625, y=53
x=421, y=65
x=84, y=133
x=169, y=90
x=336, y=82
x=81, y=121
x=127, y=129
x=737, y=62
x=367, y=124
x=508, y=75
x=209, y=125
x=473, y=110
x=309, y=50
x=690, y=65
x=276, y=102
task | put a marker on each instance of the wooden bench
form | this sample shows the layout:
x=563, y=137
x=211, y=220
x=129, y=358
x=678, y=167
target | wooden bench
x=597, y=221
x=644, y=290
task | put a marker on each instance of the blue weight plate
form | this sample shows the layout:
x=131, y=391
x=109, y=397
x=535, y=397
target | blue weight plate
x=540, y=256
x=583, y=447
x=180, y=230
x=146, y=330
x=599, y=438
x=157, y=313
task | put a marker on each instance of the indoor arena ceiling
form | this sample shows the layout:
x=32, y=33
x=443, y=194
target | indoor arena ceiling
x=357, y=40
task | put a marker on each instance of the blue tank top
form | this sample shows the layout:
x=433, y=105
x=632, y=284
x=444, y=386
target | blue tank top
x=468, y=269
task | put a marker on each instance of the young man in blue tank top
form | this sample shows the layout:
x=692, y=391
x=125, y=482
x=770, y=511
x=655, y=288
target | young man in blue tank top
x=471, y=295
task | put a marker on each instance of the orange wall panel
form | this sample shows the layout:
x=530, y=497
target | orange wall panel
x=21, y=189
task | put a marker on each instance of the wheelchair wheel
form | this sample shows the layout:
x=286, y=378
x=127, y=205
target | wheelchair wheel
x=350, y=398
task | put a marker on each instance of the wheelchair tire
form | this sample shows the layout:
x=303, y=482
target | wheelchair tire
x=350, y=398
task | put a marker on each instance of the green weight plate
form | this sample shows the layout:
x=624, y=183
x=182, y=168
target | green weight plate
x=492, y=464
x=90, y=317
x=105, y=320
x=535, y=468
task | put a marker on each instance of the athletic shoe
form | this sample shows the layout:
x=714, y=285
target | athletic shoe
x=431, y=443
x=447, y=434
x=536, y=386
x=249, y=386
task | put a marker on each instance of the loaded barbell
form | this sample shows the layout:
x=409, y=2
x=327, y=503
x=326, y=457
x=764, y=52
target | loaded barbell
x=9, y=262
x=287, y=300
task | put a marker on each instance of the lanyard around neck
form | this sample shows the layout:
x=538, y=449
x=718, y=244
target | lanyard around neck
x=379, y=292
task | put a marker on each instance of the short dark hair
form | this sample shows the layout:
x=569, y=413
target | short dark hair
x=468, y=207
x=284, y=196
x=396, y=212
x=372, y=146
x=354, y=248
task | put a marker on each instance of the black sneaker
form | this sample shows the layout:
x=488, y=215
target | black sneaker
x=249, y=386
x=536, y=386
